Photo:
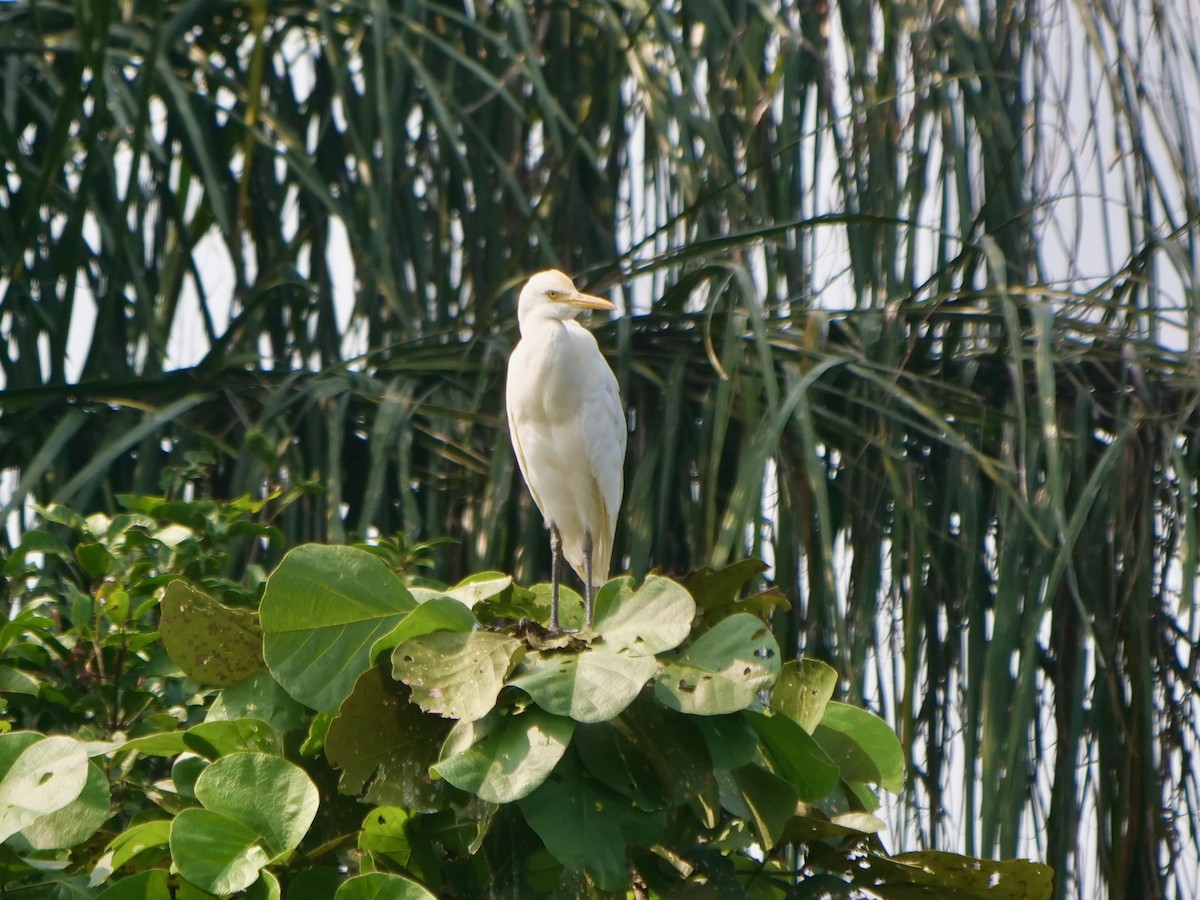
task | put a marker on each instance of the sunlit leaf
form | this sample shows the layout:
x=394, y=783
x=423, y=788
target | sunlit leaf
x=723, y=670
x=590, y=686
x=504, y=757
x=215, y=852
x=654, y=618
x=323, y=610
x=455, y=674
x=38, y=776
x=75, y=822
x=802, y=690
x=281, y=816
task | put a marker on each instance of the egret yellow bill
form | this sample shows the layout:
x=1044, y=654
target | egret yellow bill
x=568, y=430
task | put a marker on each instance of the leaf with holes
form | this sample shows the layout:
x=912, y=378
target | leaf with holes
x=591, y=686
x=456, y=674
x=655, y=618
x=214, y=644
x=723, y=670
x=38, y=776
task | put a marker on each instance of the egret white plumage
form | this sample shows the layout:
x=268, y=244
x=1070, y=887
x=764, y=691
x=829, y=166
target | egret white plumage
x=568, y=430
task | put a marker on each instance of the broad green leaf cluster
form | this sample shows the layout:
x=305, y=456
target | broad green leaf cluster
x=353, y=733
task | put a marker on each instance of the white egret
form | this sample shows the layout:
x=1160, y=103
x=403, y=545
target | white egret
x=568, y=430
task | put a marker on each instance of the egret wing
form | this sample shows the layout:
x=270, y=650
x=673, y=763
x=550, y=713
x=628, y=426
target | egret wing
x=603, y=421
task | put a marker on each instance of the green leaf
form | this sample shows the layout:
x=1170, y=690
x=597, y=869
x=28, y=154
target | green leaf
x=34, y=542
x=731, y=742
x=433, y=615
x=15, y=681
x=802, y=690
x=385, y=831
x=214, y=644
x=214, y=739
x=322, y=612
x=77, y=821
x=379, y=886
x=41, y=777
x=723, y=670
x=862, y=745
x=481, y=586
x=586, y=826
x=384, y=744
x=266, y=888
x=94, y=559
x=591, y=686
x=769, y=801
x=655, y=618
x=617, y=759
x=168, y=743
x=504, y=757
x=814, y=825
x=714, y=589
x=570, y=605
x=128, y=844
x=216, y=853
x=797, y=758
x=654, y=756
x=281, y=816
x=454, y=674
x=151, y=885
x=259, y=697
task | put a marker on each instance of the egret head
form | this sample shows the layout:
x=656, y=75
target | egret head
x=552, y=295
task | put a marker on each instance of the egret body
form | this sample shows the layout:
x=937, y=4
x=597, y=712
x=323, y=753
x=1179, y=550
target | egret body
x=568, y=429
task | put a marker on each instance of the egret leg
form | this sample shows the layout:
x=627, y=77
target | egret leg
x=555, y=575
x=589, y=597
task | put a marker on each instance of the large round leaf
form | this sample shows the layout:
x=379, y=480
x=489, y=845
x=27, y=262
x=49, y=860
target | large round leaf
x=75, y=822
x=504, y=757
x=731, y=742
x=215, y=852
x=38, y=776
x=280, y=815
x=723, y=670
x=322, y=613
x=592, y=686
x=655, y=618
x=214, y=644
x=381, y=886
x=616, y=757
x=437, y=613
x=456, y=674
